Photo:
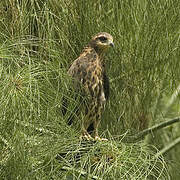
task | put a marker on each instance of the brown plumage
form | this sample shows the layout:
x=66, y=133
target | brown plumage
x=88, y=71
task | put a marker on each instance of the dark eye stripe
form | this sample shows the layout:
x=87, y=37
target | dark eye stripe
x=102, y=38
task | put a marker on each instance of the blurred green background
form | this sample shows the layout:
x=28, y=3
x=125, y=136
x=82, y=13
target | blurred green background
x=39, y=39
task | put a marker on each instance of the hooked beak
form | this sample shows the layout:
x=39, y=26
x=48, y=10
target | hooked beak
x=111, y=44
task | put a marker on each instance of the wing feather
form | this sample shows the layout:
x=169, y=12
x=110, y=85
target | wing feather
x=106, y=86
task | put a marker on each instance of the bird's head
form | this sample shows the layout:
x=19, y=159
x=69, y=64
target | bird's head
x=101, y=42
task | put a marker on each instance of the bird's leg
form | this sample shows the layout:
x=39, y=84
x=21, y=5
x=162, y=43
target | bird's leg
x=84, y=134
x=96, y=136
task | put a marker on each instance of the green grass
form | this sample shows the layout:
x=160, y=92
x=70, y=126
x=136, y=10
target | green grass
x=38, y=42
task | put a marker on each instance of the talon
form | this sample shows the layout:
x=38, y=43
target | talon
x=97, y=138
x=86, y=136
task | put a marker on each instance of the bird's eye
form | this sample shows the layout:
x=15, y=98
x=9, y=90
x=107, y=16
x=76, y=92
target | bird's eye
x=102, y=38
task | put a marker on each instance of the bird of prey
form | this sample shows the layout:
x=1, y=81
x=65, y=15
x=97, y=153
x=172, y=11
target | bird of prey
x=89, y=72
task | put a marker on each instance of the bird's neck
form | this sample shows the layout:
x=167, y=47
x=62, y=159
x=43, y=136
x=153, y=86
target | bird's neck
x=95, y=51
x=94, y=56
x=100, y=52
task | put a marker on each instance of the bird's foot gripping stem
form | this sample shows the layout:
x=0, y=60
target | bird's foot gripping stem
x=97, y=138
x=86, y=136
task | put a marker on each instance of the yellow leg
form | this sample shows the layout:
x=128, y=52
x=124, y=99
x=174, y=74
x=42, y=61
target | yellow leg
x=85, y=135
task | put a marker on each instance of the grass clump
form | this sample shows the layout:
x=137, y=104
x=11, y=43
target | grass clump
x=113, y=160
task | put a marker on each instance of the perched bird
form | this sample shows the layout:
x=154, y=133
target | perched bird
x=89, y=72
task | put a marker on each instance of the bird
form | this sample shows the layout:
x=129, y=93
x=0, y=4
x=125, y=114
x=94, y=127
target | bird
x=89, y=76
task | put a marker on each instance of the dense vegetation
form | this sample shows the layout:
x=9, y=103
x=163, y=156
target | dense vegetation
x=39, y=39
